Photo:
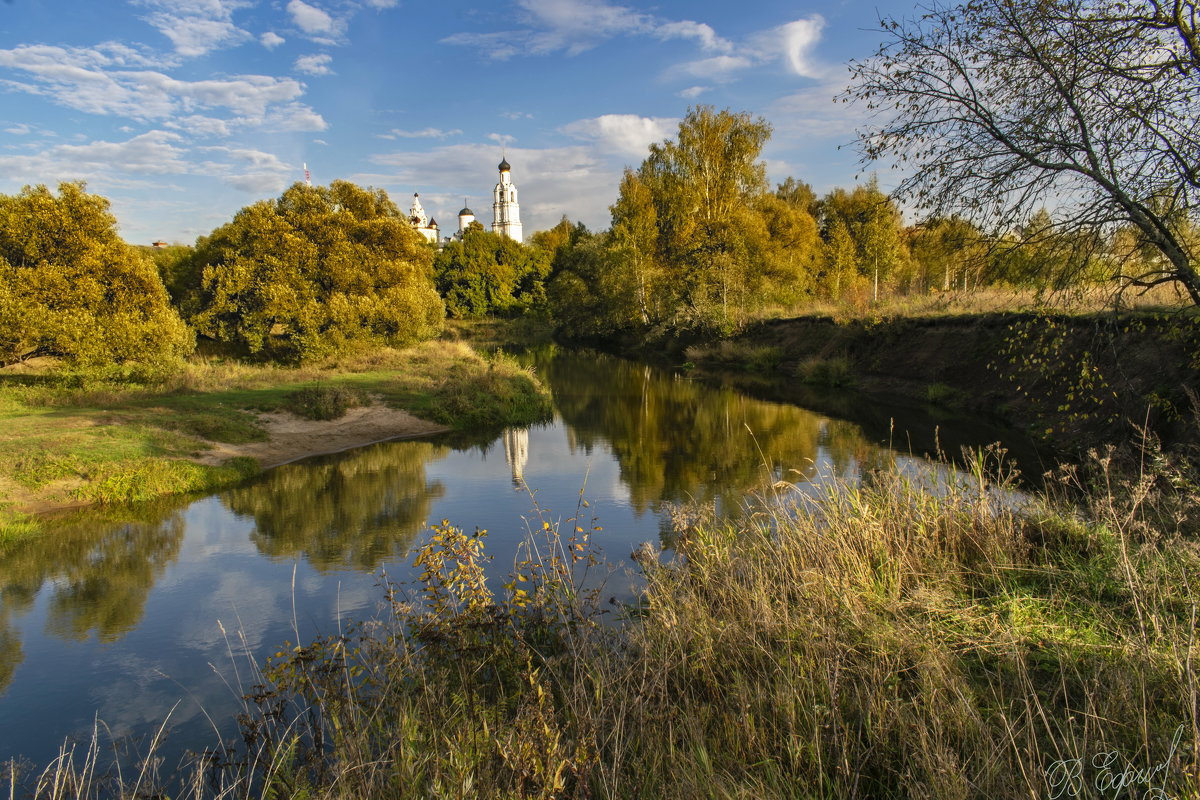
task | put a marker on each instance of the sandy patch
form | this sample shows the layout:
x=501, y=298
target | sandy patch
x=293, y=437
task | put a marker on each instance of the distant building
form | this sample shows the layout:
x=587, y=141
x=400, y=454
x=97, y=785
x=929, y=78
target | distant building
x=465, y=218
x=506, y=212
x=159, y=243
x=422, y=223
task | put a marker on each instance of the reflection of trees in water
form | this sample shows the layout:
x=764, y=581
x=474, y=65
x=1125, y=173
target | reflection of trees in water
x=677, y=440
x=101, y=571
x=354, y=510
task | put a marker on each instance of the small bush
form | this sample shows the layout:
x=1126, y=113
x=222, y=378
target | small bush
x=833, y=373
x=943, y=395
x=323, y=402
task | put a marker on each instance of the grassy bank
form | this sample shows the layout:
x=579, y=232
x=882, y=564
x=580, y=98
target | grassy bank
x=1075, y=380
x=68, y=440
x=880, y=640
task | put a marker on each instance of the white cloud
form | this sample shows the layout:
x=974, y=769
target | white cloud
x=795, y=42
x=702, y=33
x=716, y=68
x=692, y=92
x=195, y=36
x=258, y=159
x=271, y=40
x=196, y=27
x=19, y=130
x=425, y=133
x=381, y=4
x=199, y=125
x=623, y=134
x=151, y=153
x=257, y=183
x=516, y=115
x=295, y=117
x=314, y=21
x=90, y=80
x=315, y=64
x=574, y=26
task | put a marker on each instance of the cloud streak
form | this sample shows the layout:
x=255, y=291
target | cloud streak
x=576, y=26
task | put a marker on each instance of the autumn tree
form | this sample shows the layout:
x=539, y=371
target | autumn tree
x=1001, y=107
x=868, y=218
x=315, y=272
x=703, y=183
x=487, y=273
x=946, y=251
x=71, y=288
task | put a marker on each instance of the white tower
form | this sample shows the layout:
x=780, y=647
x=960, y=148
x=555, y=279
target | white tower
x=465, y=218
x=506, y=212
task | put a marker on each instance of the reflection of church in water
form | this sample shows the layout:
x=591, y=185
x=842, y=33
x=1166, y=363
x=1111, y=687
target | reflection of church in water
x=516, y=453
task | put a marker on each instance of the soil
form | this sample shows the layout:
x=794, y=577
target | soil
x=293, y=438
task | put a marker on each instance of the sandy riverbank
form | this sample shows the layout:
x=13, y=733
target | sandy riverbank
x=291, y=438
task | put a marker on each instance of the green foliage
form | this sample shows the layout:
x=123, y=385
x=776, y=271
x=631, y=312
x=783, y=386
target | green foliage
x=323, y=402
x=864, y=238
x=71, y=288
x=321, y=270
x=489, y=274
x=697, y=242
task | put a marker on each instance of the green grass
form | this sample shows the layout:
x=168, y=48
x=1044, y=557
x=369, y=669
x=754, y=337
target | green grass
x=875, y=640
x=64, y=440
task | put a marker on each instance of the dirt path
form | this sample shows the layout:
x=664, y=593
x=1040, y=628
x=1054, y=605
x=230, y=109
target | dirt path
x=293, y=438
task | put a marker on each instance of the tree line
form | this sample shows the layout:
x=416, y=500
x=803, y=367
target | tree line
x=1002, y=109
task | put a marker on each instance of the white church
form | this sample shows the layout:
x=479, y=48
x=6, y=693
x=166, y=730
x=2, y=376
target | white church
x=506, y=212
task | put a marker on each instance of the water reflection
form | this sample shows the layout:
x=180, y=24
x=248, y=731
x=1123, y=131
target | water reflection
x=99, y=573
x=678, y=440
x=350, y=511
x=647, y=439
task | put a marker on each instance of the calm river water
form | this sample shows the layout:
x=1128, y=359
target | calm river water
x=127, y=615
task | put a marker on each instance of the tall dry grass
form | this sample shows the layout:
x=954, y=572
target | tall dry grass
x=901, y=636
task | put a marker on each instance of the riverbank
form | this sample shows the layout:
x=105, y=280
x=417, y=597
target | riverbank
x=67, y=442
x=872, y=639
x=1073, y=380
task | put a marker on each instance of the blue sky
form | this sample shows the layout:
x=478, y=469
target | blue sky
x=183, y=111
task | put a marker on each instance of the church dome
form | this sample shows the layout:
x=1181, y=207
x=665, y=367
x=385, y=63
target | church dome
x=466, y=212
x=504, y=166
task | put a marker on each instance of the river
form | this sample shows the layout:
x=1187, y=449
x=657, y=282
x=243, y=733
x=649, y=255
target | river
x=121, y=617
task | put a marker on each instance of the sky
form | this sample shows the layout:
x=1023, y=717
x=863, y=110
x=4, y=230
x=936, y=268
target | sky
x=181, y=112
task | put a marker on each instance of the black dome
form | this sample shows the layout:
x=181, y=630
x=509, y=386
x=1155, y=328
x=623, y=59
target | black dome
x=466, y=212
x=504, y=167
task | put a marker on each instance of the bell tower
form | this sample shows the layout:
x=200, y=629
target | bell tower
x=506, y=212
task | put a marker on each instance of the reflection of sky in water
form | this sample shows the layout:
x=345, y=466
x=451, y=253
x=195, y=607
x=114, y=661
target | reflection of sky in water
x=215, y=605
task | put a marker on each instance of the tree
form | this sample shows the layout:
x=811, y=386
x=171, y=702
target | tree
x=1001, y=107
x=71, y=288
x=487, y=273
x=703, y=183
x=945, y=249
x=870, y=219
x=316, y=272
